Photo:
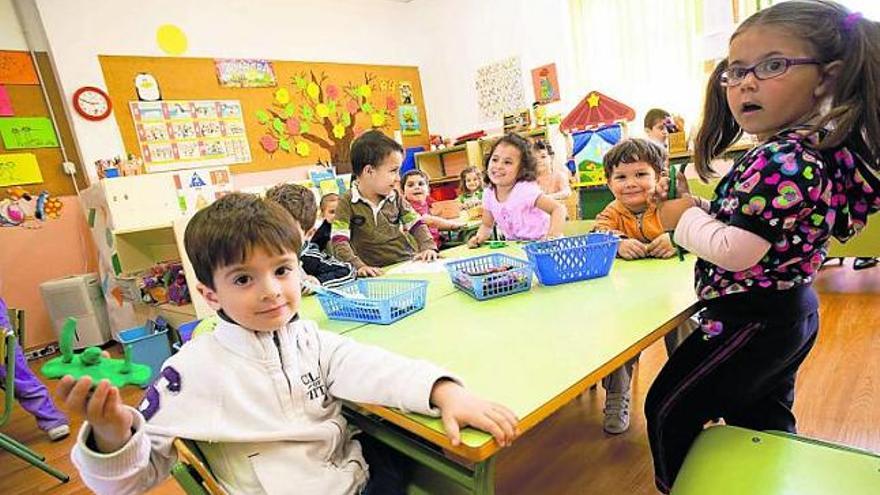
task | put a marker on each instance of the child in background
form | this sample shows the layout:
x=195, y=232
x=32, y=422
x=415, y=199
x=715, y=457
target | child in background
x=513, y=198
x=262, y=394
x=367, y=230
x=552, y=180
x=29, y=390
x=632, y=168
x=655, y=127
x=320, y=267
x=470, y=189
x=417, y=191
x=802, y=76
x=328, y=205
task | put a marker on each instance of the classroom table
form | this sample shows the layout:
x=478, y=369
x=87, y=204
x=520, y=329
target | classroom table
x=533, y=351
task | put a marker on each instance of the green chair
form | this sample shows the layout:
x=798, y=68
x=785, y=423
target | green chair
x=7, y=358
x=727, y=460
x=192, y=472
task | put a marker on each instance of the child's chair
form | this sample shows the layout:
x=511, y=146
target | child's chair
x=727, y=460
x=192, y=472
x=7, y=354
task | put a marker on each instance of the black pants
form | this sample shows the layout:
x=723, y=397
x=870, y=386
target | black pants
x=745, y=375
x=390, y=471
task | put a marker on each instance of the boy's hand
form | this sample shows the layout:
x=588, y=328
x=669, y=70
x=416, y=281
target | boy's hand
x=661, y=192
x=632, y=249
x=460, y=408
x=308, y=279
x=110, y=420
x=369, y=271
x=661, y=247
x=426, y=255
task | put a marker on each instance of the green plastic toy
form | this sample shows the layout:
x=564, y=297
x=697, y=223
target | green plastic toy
x=90, y=362
x=497, y=244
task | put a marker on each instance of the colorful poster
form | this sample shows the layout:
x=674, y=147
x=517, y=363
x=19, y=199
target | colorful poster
x=545, y=83
x=17, y=68
x=180, y=134
x=199, y=188
x=5, y=103
x=408, y=115
x=499, y=88
x=245, y=73
x=19, y=168
x=27, y=132
x=406, y=93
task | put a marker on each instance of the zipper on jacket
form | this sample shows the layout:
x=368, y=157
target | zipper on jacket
x=281, y=360
x=639, y=217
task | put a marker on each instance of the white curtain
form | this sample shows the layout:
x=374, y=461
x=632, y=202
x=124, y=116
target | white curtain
x=644, y=53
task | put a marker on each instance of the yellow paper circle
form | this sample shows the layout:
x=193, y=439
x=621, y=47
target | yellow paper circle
x=303, y=149
x=171, y=39
x=312, y=90
x=322, y=110
x=377, y=119
x=282, y=96
x=338, y=131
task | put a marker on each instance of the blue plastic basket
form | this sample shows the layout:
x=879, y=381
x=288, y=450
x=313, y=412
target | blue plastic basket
x=147, y=348
x=570, y=259
x=381, y=301
x=476, y=277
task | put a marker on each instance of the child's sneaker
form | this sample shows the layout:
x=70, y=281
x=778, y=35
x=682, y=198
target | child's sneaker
x=616, y=413
x=58, y=432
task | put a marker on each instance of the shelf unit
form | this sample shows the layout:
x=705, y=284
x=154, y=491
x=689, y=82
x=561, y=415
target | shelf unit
x=445, y=165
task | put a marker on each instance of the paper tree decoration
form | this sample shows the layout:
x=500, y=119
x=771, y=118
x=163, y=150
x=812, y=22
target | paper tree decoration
x=589, y=149
x=594, y=111
x=318, y=112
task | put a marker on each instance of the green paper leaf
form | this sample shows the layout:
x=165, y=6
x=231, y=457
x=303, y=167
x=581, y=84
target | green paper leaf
x=285, y=145
x=262, y=116
x=289, y=109
x=304, y=127
x=278, y=125
x=346, y=119
x=367, y=108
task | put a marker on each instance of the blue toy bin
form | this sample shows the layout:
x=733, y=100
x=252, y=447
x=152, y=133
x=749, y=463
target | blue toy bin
x=147, y=348
x=382, y=301
x=569, y=259
x=490, y=276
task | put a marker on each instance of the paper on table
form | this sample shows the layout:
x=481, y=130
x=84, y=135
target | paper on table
x=410, y=267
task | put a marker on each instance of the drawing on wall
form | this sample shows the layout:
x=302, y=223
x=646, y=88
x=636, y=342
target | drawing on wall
x=545, y=83
x=499, y=88
x=176, y=134
x=245, y=73
x=27, y=132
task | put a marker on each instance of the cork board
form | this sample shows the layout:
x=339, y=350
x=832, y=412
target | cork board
x=27, y=101
x=196, y=79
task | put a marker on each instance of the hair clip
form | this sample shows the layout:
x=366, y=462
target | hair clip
x=850, y=20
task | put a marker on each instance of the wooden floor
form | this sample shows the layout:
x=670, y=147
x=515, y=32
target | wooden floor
x=838, y=399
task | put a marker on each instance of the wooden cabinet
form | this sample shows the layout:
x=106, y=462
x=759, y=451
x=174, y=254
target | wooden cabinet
x=445, y=165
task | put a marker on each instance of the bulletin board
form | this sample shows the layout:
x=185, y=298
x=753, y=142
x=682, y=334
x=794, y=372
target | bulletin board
x=19, y=79
x=283, y=123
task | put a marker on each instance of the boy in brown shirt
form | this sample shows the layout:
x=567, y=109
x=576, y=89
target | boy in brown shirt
x=372, y=217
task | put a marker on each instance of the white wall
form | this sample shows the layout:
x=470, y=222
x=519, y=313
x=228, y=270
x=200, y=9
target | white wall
x=468, y=34
x=11, y=35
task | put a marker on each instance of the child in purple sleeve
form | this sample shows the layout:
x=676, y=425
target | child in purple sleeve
x=30, y=391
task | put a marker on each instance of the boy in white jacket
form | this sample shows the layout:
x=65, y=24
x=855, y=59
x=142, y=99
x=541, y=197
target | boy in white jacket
x=261, y=393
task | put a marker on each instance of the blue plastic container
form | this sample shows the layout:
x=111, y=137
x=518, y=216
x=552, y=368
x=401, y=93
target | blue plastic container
x=147, y=348
x=490, y=276
x=382, y=301
x=570, y=259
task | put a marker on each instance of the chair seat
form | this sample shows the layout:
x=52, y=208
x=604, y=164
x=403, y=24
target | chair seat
x=727, y=460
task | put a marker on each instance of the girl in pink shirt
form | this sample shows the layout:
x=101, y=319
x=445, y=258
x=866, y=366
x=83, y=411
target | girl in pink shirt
x=513, y=200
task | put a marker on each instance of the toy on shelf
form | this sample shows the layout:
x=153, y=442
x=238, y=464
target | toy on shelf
x=91, y=363
x=165, y=283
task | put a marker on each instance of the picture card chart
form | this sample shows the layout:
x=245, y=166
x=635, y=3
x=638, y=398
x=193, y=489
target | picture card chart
x=180, y=134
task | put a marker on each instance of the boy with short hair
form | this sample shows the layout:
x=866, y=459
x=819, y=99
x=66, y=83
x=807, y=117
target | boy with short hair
x=632, y=168
x=328, y=205
x=656, y=127
x=322, y=268
x=372, y=217
x=261, y=393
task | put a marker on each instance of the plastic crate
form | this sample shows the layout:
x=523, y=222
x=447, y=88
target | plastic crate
x=147, y=348
x=479, y=277
x=382, y=301
x=570, y=259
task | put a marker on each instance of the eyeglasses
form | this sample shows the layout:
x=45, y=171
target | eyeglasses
x=765, y=69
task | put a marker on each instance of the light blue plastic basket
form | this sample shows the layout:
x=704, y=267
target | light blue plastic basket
x=382, y=301
x=477, y=276
x=570, y=259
